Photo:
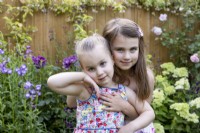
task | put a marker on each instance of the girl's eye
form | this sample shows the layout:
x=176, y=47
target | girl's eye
x=103, y=64
x=119, y=50
x=91, y=69
x=133, y=49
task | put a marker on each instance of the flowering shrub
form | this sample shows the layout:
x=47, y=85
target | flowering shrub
x=176, y=111
x=26, y=104
x=183, y=47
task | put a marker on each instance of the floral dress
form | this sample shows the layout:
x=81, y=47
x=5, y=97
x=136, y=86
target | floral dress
x=92, y=119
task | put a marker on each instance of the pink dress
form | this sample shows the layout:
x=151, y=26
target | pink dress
x=92, y=119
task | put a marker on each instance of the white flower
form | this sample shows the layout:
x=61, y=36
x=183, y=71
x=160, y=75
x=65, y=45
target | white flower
x=163, y=17
x=157, y=30
x=188, y=12
x=181, y=9
x=195, y=102
x=182, y=83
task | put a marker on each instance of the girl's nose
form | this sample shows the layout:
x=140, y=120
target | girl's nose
x=99, y=71
x=127, y=55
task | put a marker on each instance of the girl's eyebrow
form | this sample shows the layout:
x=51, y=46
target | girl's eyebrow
x=98, y=63
x=117, y=47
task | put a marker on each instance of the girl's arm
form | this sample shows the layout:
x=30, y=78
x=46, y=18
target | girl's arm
x=70, y=83
x=117, y=104
x=145, y=111
x=66, y=83
x=151, y=81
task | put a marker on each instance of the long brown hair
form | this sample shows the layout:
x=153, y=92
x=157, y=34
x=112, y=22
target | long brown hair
x=129, y=29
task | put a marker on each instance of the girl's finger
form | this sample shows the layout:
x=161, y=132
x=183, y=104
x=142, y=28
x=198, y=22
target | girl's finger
x=97, y=90
x=107, y=95
x=106, y=103
x=108, y=109
x=105, y=98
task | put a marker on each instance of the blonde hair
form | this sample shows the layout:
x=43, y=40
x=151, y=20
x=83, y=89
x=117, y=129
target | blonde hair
x=89, y=43
x=130, y=29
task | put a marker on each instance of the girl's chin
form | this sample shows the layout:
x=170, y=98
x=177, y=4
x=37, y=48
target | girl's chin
x=125, y=68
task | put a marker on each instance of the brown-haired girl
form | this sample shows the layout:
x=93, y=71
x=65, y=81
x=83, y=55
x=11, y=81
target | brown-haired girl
x=126, y=42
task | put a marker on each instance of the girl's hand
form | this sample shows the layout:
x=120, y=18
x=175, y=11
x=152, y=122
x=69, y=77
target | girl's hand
x=113, y=102
x=91, y=82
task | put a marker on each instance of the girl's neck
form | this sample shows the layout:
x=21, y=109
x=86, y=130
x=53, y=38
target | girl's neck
x=111, y=85
x=127, y=72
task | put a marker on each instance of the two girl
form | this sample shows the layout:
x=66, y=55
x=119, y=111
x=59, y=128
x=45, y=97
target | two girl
x=98, y=69
x=126, y=44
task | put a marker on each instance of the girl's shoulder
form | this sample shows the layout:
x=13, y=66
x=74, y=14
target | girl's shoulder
x=129, y=91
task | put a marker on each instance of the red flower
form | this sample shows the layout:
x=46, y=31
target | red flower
x=98, y=119
x=91, y=121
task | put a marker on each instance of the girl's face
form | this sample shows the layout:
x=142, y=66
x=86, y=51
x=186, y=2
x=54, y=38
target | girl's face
x=98, y=64
x=125, y=51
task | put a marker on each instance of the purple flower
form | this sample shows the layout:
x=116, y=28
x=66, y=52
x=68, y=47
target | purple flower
x=22, y=70
x=39, y=61
x=163, y=17
x=194, y=58
x=27, y=85
x=32, y=91
x=1, y=51
x=9, y=71
x=38, y=93
x=28, y=52
x=4, y=69
x=28, y=95
x=28, y=47
x=38, y=87
x=157, y=30
x=68, y=61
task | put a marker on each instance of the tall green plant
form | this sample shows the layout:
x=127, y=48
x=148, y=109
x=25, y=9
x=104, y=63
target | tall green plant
x=17, y=112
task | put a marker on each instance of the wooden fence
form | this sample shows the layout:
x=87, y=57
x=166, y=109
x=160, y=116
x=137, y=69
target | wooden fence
x=52, y=39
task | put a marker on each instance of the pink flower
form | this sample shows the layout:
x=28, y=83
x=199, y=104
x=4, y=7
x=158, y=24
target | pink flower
x=194, y=58
x=157, y=30
x=163, y=17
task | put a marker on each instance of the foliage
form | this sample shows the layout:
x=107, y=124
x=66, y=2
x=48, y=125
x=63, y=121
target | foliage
x=175, y=104
x=18, y=114
x=26, y=103
x=182, y=44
